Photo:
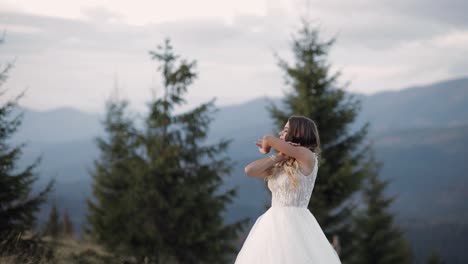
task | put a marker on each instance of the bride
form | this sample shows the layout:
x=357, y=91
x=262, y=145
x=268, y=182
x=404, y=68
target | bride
x=288, y=232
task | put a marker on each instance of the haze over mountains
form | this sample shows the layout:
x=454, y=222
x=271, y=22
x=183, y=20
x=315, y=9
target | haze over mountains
x=419, y=133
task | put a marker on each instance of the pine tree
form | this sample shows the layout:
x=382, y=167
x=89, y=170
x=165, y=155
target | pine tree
x=434, y=258
x=53, y=226
x=18, y=204
x=111, y=208
x=379, y=239
x=315, y=93
x=67, y=224
x=173, y=194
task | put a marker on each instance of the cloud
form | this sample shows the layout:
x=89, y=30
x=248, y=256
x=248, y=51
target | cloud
x=449, y=13
x=386, y=24
x=75, y=62
x=100, y=14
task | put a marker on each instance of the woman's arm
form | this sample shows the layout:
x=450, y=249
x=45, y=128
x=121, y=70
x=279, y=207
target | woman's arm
x=301, y=154
x=262, y=167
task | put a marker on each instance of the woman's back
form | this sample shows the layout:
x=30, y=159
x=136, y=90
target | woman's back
x=285, y=193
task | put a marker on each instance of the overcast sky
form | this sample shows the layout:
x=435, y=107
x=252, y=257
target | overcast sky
x=72, y=53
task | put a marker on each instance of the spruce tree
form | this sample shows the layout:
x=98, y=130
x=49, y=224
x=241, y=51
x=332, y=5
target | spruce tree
x=53, y=226
x=315, y=93
x=67, y=225
x=113, y=175
x=379, y=240
x=18, y=203
x=173, y=184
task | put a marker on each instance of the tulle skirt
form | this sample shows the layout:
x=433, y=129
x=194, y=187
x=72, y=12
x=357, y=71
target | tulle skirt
x=287, y=235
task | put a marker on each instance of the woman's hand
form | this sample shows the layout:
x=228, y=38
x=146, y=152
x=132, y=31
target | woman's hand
x=262, y=148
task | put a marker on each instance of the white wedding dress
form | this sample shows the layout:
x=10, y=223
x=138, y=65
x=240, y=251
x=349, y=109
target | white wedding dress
x=288, y=232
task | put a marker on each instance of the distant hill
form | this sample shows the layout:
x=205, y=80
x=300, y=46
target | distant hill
x=442, y=104
x=419, y=133
x=57, y=126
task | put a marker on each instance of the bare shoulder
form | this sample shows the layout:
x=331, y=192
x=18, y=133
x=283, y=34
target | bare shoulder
x=307, y=161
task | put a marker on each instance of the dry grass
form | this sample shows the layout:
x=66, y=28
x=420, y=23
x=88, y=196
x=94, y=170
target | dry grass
x=24, y=248
x=63, y=250
x=29, y=249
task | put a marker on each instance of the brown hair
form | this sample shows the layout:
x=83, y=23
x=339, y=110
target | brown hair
x=303, y=131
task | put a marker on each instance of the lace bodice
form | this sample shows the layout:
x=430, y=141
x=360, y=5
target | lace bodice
x=285, y=194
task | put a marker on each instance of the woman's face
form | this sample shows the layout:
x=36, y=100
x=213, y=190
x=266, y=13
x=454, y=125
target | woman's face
x=282, y=134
